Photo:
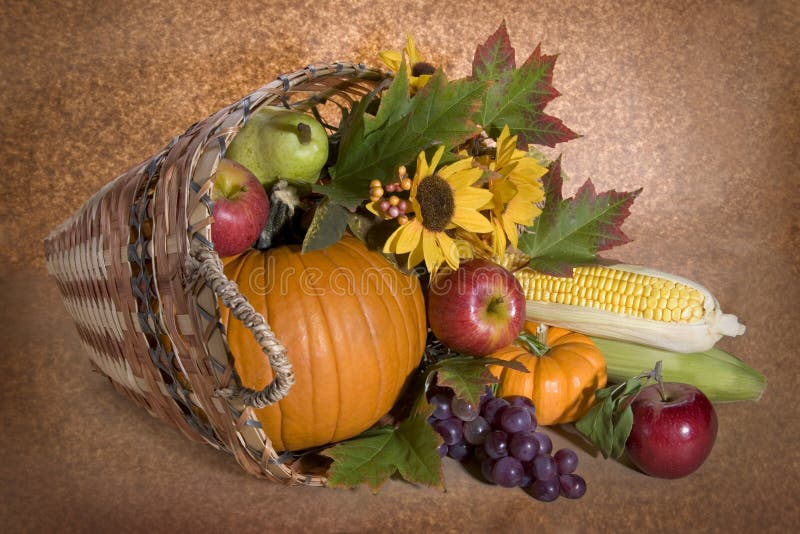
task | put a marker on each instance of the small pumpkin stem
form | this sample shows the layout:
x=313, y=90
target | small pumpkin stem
x=541, y=334
x=533, y=343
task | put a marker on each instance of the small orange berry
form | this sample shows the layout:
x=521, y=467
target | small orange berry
x=405, y=183
x=394, y=200
x=403, y=219
x=375, y=183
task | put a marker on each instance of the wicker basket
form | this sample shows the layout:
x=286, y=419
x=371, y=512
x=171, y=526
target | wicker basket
x=134, y=266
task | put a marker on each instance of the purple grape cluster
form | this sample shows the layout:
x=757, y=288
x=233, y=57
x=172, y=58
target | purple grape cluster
x=500, y=433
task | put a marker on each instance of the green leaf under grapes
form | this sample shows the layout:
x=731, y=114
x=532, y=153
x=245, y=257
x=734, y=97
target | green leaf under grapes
x=409, y=450
x=468, y=376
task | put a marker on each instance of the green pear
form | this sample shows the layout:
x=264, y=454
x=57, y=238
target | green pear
x=280, y=143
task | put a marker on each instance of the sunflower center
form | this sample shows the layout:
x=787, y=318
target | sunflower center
x=421, y=67
x=436, y=203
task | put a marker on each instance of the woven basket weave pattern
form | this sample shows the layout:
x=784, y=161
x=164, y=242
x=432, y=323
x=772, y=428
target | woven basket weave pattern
x=121, y=260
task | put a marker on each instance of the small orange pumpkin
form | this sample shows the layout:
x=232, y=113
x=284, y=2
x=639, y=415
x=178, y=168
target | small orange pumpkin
x=561, y=381
x=354, y=329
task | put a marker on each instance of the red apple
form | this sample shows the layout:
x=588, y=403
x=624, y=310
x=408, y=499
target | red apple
x=477, y=309
x=241, y=208
x=671, y=435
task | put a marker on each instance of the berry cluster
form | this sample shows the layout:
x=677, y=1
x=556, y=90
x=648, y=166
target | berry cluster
x=500, y=433
x=392, y=206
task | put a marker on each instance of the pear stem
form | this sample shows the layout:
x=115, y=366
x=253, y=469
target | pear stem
x=304, y=133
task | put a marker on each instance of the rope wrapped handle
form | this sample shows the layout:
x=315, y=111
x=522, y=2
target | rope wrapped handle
x=204, y=264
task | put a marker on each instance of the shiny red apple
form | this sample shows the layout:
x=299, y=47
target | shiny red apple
x=240, y=211
x=674, y=430
x=477, y=309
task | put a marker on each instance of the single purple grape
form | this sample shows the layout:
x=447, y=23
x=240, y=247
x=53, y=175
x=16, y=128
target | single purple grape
x=545, y=443
x=566, y=461
x=450, y=430
x=487, y=466
x=441, y=405
x=459, y=451
x=519, y=400
x=496, y=444
x=545, y=490
x=572, y=486
x=442, y=450
x=475, y=431
x=464, y=410
x=515, y=419
x=491, y=409
x=508, y=472
x=544, y=467
x=523, y=446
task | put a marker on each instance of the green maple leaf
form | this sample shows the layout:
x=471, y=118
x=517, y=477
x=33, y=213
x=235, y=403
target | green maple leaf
x=495, y=56
x=409, y=450
x=518, y=96
x=571, y=232
x=439, y=114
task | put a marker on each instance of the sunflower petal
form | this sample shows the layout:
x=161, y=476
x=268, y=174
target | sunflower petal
x=408, y=240
x=411, y=49
x=449, y=250
x=510, y=229
x=461, y=165
x=391, y=58
x=417, y=255
x=471, y=220
x=520, y=211
x=390, y=244
x=437, y=156
x=464, y=178
x=499, y=243
x=431, y=251
x=472, y=197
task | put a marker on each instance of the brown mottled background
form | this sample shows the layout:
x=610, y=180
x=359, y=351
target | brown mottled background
x=696, y=101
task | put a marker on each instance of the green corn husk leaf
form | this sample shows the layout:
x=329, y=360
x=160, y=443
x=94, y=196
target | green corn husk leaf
x=721, y=376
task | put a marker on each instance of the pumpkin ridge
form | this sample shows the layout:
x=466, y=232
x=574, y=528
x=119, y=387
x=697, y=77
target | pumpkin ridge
x=548, y=369
x=382, y=386
x=308, y=381
x=331, y=342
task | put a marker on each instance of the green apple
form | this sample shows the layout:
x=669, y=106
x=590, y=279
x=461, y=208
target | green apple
x=280, y=143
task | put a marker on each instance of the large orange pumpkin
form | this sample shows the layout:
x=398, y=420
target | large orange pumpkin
x=561, y=382
x=354, y=329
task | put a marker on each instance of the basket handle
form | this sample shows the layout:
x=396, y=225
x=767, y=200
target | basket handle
x=205, y=264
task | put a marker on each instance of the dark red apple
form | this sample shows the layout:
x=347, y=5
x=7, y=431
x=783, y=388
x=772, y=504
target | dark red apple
x=674, y=434
x=241, y=208
x=477, y=309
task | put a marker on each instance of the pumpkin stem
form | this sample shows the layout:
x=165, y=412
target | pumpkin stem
x=534, y=343
x=541, y=334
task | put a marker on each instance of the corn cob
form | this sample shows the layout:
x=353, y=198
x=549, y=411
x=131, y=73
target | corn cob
x=630, y=303
x=721, y=376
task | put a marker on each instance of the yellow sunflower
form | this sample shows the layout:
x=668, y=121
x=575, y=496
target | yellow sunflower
x=515, y=188
x=441, y=200
x=419, y=71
